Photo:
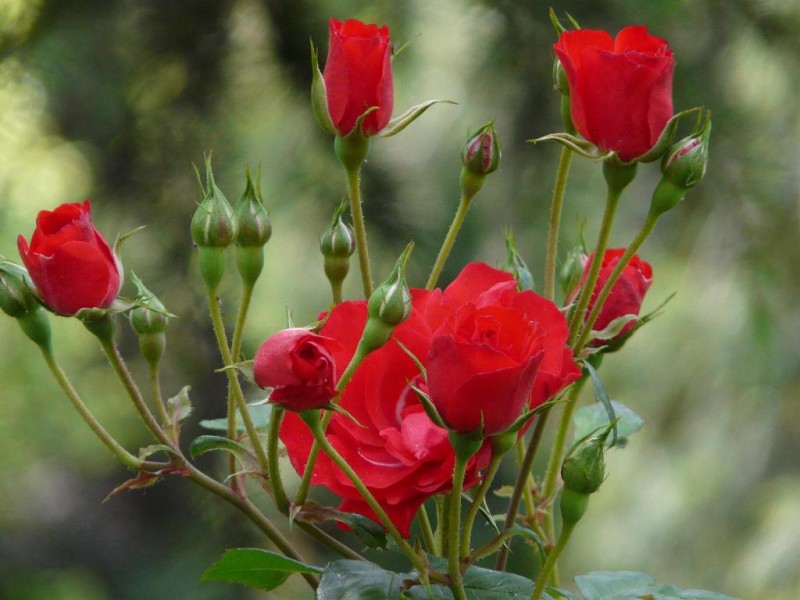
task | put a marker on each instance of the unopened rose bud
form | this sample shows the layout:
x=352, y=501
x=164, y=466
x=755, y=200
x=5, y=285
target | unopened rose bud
x=253, y=230
x=481, y=156
x=18, y=301
x=583, y=470
x=388, y=306
x=213, y=230
x=16, y=297
x=337, y=246
x=149, y=321
x=683, y=167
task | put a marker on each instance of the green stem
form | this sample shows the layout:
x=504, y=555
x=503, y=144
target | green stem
x=557, y=455
x=644, y=232
x=354, y=193
x=233, y=380
x=158, y=398
x=124, y=375
x=441, y=523
x=449, y=240
x=312, y=419
x=477, y=501
x=281, y=501
x=555, y=222
x=236, y=344
x=427, y=530
x=585, y=294
x=128, y=459
x=552, y=560
x=522, y=487
x=454, y=530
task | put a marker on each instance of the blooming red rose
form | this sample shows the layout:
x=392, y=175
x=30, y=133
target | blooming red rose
x=70, y=263
x=358, y=76
x=627, y=294
x=496, y=353
x=399, y=453
x=299, y=367
x=620, y=89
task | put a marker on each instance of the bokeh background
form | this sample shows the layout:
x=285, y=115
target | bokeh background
x=115, y=100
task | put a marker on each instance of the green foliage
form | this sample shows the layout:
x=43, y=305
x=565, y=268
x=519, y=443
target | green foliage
x=631, y=585
x=593, y=417
x=256, y=568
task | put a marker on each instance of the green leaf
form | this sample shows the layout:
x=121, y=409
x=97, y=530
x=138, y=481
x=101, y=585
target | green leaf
x=259, y=413
x=179, y=406
x=359, y=580
x=633, y=585
x=592, y=418
x=255, y=568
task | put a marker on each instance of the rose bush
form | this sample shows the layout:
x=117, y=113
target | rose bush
x=626, y=296
x=358, y=76
x=298, y=366
x=70, y=263
x=620, y=88
x=397, y=451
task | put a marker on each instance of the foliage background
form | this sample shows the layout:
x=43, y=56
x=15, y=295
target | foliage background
x=114, y=100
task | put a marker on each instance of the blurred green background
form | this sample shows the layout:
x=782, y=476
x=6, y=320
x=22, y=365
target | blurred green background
x=115, y=100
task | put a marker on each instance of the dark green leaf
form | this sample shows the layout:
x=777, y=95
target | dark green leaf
x=632, y=585
x=255, y=568
x=259, y=413
x=592, y=418
x=359, y=580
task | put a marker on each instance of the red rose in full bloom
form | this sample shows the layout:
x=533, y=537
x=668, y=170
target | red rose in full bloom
x=298, y=366
x=497, y=351
x=627, y=294
x=620, y=88
x=358, y=76
x=399, y=453
x=70, y=263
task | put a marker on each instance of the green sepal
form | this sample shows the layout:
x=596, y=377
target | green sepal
x=319, y=95
x=601, y=396
x=574, y=143
x=665, y=139
x=405, y=119
x=465, y=445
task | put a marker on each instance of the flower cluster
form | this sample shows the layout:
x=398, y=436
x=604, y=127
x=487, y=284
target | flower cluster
x=409, y=393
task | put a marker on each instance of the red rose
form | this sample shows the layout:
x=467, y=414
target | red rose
x=620, y=89
x=358, y=76
x=399, y=453
x=70, y=263
x=298, y=366
x=627, y=294
x=497, y=352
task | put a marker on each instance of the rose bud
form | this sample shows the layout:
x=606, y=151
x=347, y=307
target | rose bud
x=149, y=321
x=69, y=262
x=297, y=364
x=18, y=301
x=683, y=167
x=358, y=76
x=253, y=230
x=626, y=296
x=620, y=88
x=388, y=306
x=583, y=472
x=213, y=230
x=337, y=246
x=481, y=156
